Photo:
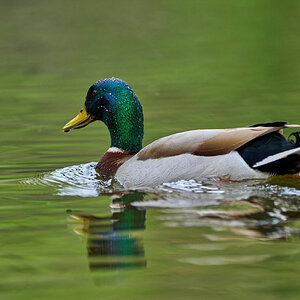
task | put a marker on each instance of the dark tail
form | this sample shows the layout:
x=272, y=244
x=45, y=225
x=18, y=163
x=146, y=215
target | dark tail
x=273, y=153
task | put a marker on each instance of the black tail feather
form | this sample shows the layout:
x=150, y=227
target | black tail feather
x=297, y=138
x=287, y=165
x=273, y=143
x=272, y=124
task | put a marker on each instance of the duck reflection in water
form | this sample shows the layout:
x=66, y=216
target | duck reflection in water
x=255, y=217
x=110, y=241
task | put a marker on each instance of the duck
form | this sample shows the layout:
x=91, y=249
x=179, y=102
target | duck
x=252, y=152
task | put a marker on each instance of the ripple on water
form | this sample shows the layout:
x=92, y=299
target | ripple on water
x=79, y=180
x=256, y=208
x=83, y=180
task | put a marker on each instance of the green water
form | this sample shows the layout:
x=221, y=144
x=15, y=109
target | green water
x=65, y=234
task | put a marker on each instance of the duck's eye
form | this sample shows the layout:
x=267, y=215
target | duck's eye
x=94, y=93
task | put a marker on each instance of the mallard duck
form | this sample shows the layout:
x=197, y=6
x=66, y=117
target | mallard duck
x=252, y=152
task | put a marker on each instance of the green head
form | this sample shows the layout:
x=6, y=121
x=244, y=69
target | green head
x=113, y=102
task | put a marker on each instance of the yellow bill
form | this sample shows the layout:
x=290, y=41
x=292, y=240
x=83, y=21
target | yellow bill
x=81, y=120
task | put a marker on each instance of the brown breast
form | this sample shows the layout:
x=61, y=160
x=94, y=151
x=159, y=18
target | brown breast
x=111, y=161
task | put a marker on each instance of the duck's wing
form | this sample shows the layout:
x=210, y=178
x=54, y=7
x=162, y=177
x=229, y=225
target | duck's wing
x=208, y=142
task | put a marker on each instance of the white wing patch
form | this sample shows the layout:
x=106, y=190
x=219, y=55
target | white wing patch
x=277, y=156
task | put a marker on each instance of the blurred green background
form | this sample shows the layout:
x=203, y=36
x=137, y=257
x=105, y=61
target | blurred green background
x=193, y=64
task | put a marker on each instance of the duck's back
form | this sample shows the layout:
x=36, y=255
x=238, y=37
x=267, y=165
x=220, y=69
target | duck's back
x=235, y=154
